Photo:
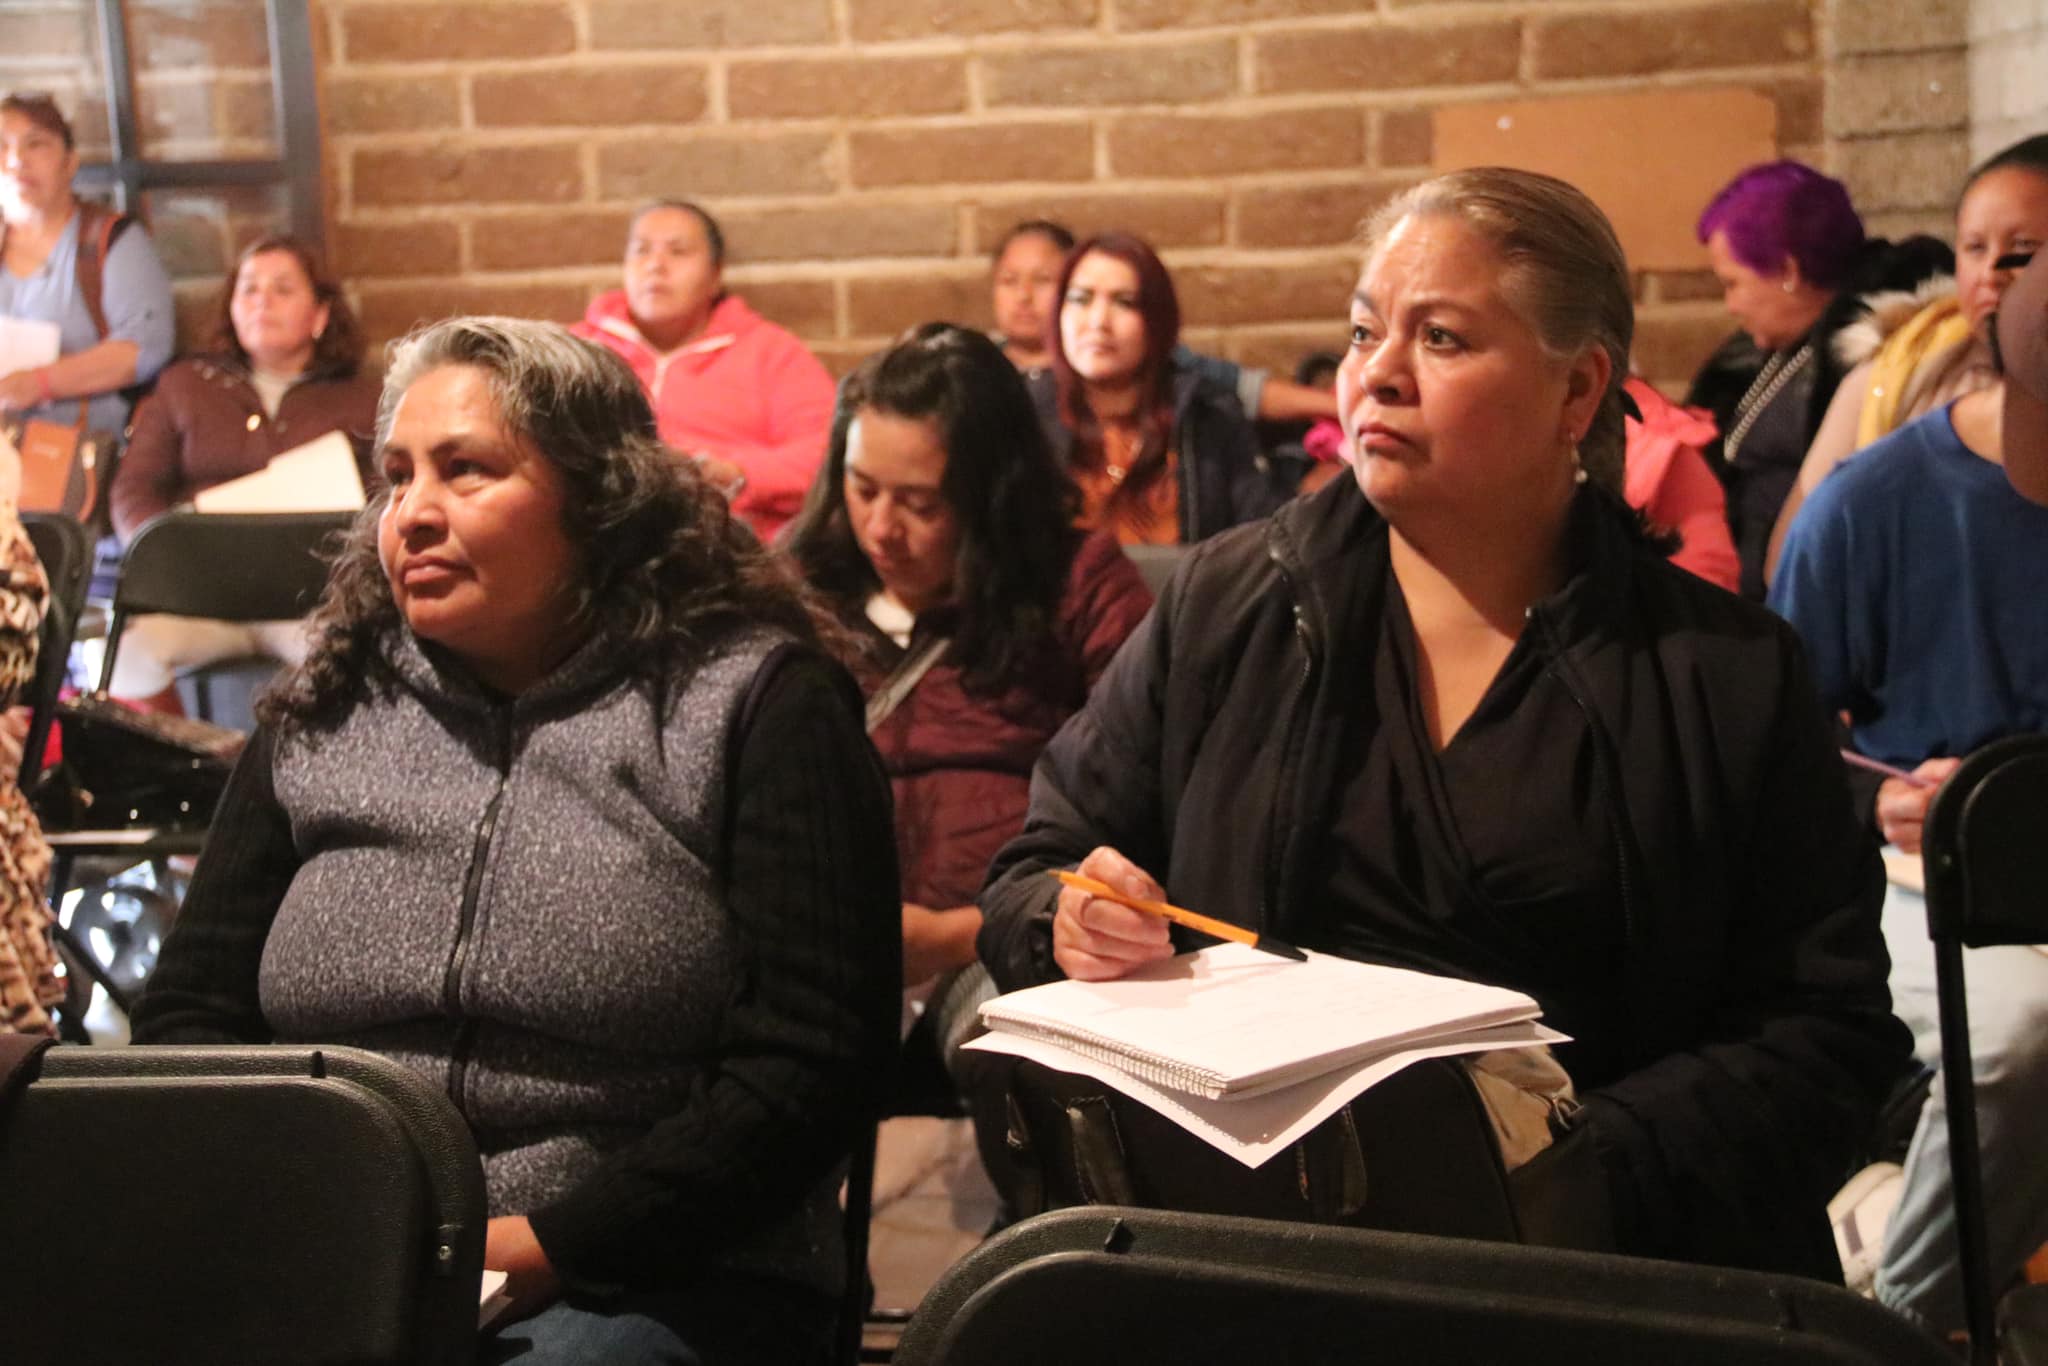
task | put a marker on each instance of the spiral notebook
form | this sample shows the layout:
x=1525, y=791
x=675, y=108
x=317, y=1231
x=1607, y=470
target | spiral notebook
x=1230, y=1021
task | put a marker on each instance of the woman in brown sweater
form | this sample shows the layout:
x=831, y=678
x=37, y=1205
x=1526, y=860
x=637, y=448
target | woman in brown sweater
x=287, y=370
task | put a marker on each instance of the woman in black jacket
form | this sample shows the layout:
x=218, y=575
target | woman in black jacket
x=1471, y=722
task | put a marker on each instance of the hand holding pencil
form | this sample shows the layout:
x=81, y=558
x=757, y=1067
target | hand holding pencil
x=1098, y=940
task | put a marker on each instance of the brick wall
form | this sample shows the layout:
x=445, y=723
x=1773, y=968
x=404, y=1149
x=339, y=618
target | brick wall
x=2008, y=73
x=865, y=153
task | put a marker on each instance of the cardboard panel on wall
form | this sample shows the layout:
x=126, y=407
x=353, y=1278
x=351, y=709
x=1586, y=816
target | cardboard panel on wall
x=1651, y=161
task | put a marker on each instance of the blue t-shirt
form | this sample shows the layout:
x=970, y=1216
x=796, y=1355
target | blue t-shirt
x=1919, y=581
x=135, y=294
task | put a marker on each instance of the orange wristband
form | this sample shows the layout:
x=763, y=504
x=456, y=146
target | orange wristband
x=43, y=384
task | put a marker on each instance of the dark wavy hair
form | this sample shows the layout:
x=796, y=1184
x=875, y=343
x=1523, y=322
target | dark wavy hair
x=1159, y=306
x=39, y=107
x=338, y=350
x=2028, y=154
x=1014, y=504
x=663, y=566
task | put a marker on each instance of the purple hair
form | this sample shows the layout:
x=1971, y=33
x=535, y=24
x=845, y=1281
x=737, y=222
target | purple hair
x=1787, y=209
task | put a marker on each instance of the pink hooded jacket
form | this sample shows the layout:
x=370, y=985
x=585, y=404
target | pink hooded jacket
x=745, y=391
x=1668, y=479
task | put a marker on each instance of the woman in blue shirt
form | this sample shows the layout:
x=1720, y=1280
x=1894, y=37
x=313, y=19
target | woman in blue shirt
x=98, y=357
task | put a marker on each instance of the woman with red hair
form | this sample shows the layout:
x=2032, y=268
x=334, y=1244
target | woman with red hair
x=1160, y=457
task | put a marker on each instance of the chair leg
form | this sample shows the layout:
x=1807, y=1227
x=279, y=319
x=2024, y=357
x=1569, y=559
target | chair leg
x=1965, y=1173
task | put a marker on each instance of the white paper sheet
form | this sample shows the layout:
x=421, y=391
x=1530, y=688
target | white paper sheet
x=320, y=476
x=26, y=343
x=1252, y=1129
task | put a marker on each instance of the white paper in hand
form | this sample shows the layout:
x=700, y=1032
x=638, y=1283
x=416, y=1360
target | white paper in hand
x=320, y=476
x=26, y=344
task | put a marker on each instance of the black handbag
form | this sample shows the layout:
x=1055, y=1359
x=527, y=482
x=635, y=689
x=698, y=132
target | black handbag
x=1415, y=1153
x=125, y=768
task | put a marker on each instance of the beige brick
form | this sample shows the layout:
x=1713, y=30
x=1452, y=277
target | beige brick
x=1799, y=101
x=47, y=33
x=173, y=111
x=841, y=357
x=1940, y=222
x=884, y=306
x=537, y=241
x=367, y=250
x=591, y=97
x=1310, y=215
x=189, y=245
x=451, y=32
x=1381, y=55
x=1280, y=349
x=1678, y=287
x=1222, y=294
x=805, y=307
x=1671, y=343
x=884, y=20
x=694, y=165
x=641, y=25
x=183, y=36
x=1225, y=144
x=1162, y=14
x=390, y=311
x=550, y=173
x=1899, y=25
x=986, y=152
x=246, y=110
x=388, y=104
x=1404, y=137
x=1150, y=73
x=1168, y=219
x=1904, y=171
x=859, y=87
x=1641, y=43
x=1891, y=94
x=842, y=231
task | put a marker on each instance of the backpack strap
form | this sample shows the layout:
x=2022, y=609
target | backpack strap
x=98, y=226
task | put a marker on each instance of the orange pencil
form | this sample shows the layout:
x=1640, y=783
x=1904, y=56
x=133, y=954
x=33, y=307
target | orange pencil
x=1221, y=929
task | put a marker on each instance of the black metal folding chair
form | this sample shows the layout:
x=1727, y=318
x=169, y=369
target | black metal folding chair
x=207, y=1205
x=66, y=552
x=1106, y=1287
x=227, y=566
x=1987, y=884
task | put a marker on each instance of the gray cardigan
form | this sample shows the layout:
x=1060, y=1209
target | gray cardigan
x=532, y=903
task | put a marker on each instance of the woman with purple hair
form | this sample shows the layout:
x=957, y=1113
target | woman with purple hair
x=1794, y=263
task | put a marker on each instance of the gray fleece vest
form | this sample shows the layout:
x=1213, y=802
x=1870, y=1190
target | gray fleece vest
x=520, y=901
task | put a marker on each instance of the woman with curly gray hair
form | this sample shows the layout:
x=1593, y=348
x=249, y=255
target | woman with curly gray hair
x=568, y=810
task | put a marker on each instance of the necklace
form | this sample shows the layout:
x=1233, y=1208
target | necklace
x=1776, y=374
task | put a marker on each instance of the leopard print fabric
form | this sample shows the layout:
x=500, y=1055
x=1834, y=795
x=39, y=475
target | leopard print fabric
x=29, y=985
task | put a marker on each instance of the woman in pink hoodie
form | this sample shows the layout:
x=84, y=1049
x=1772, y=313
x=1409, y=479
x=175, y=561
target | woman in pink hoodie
x=729, y=387
x=1669, y=480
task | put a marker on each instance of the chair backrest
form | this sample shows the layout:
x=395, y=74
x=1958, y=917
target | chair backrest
x=1987, y=884
x=1987, y=878
x=196, y=1205
x=230, y=566
x=66, y=552
x=1106, y=1287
